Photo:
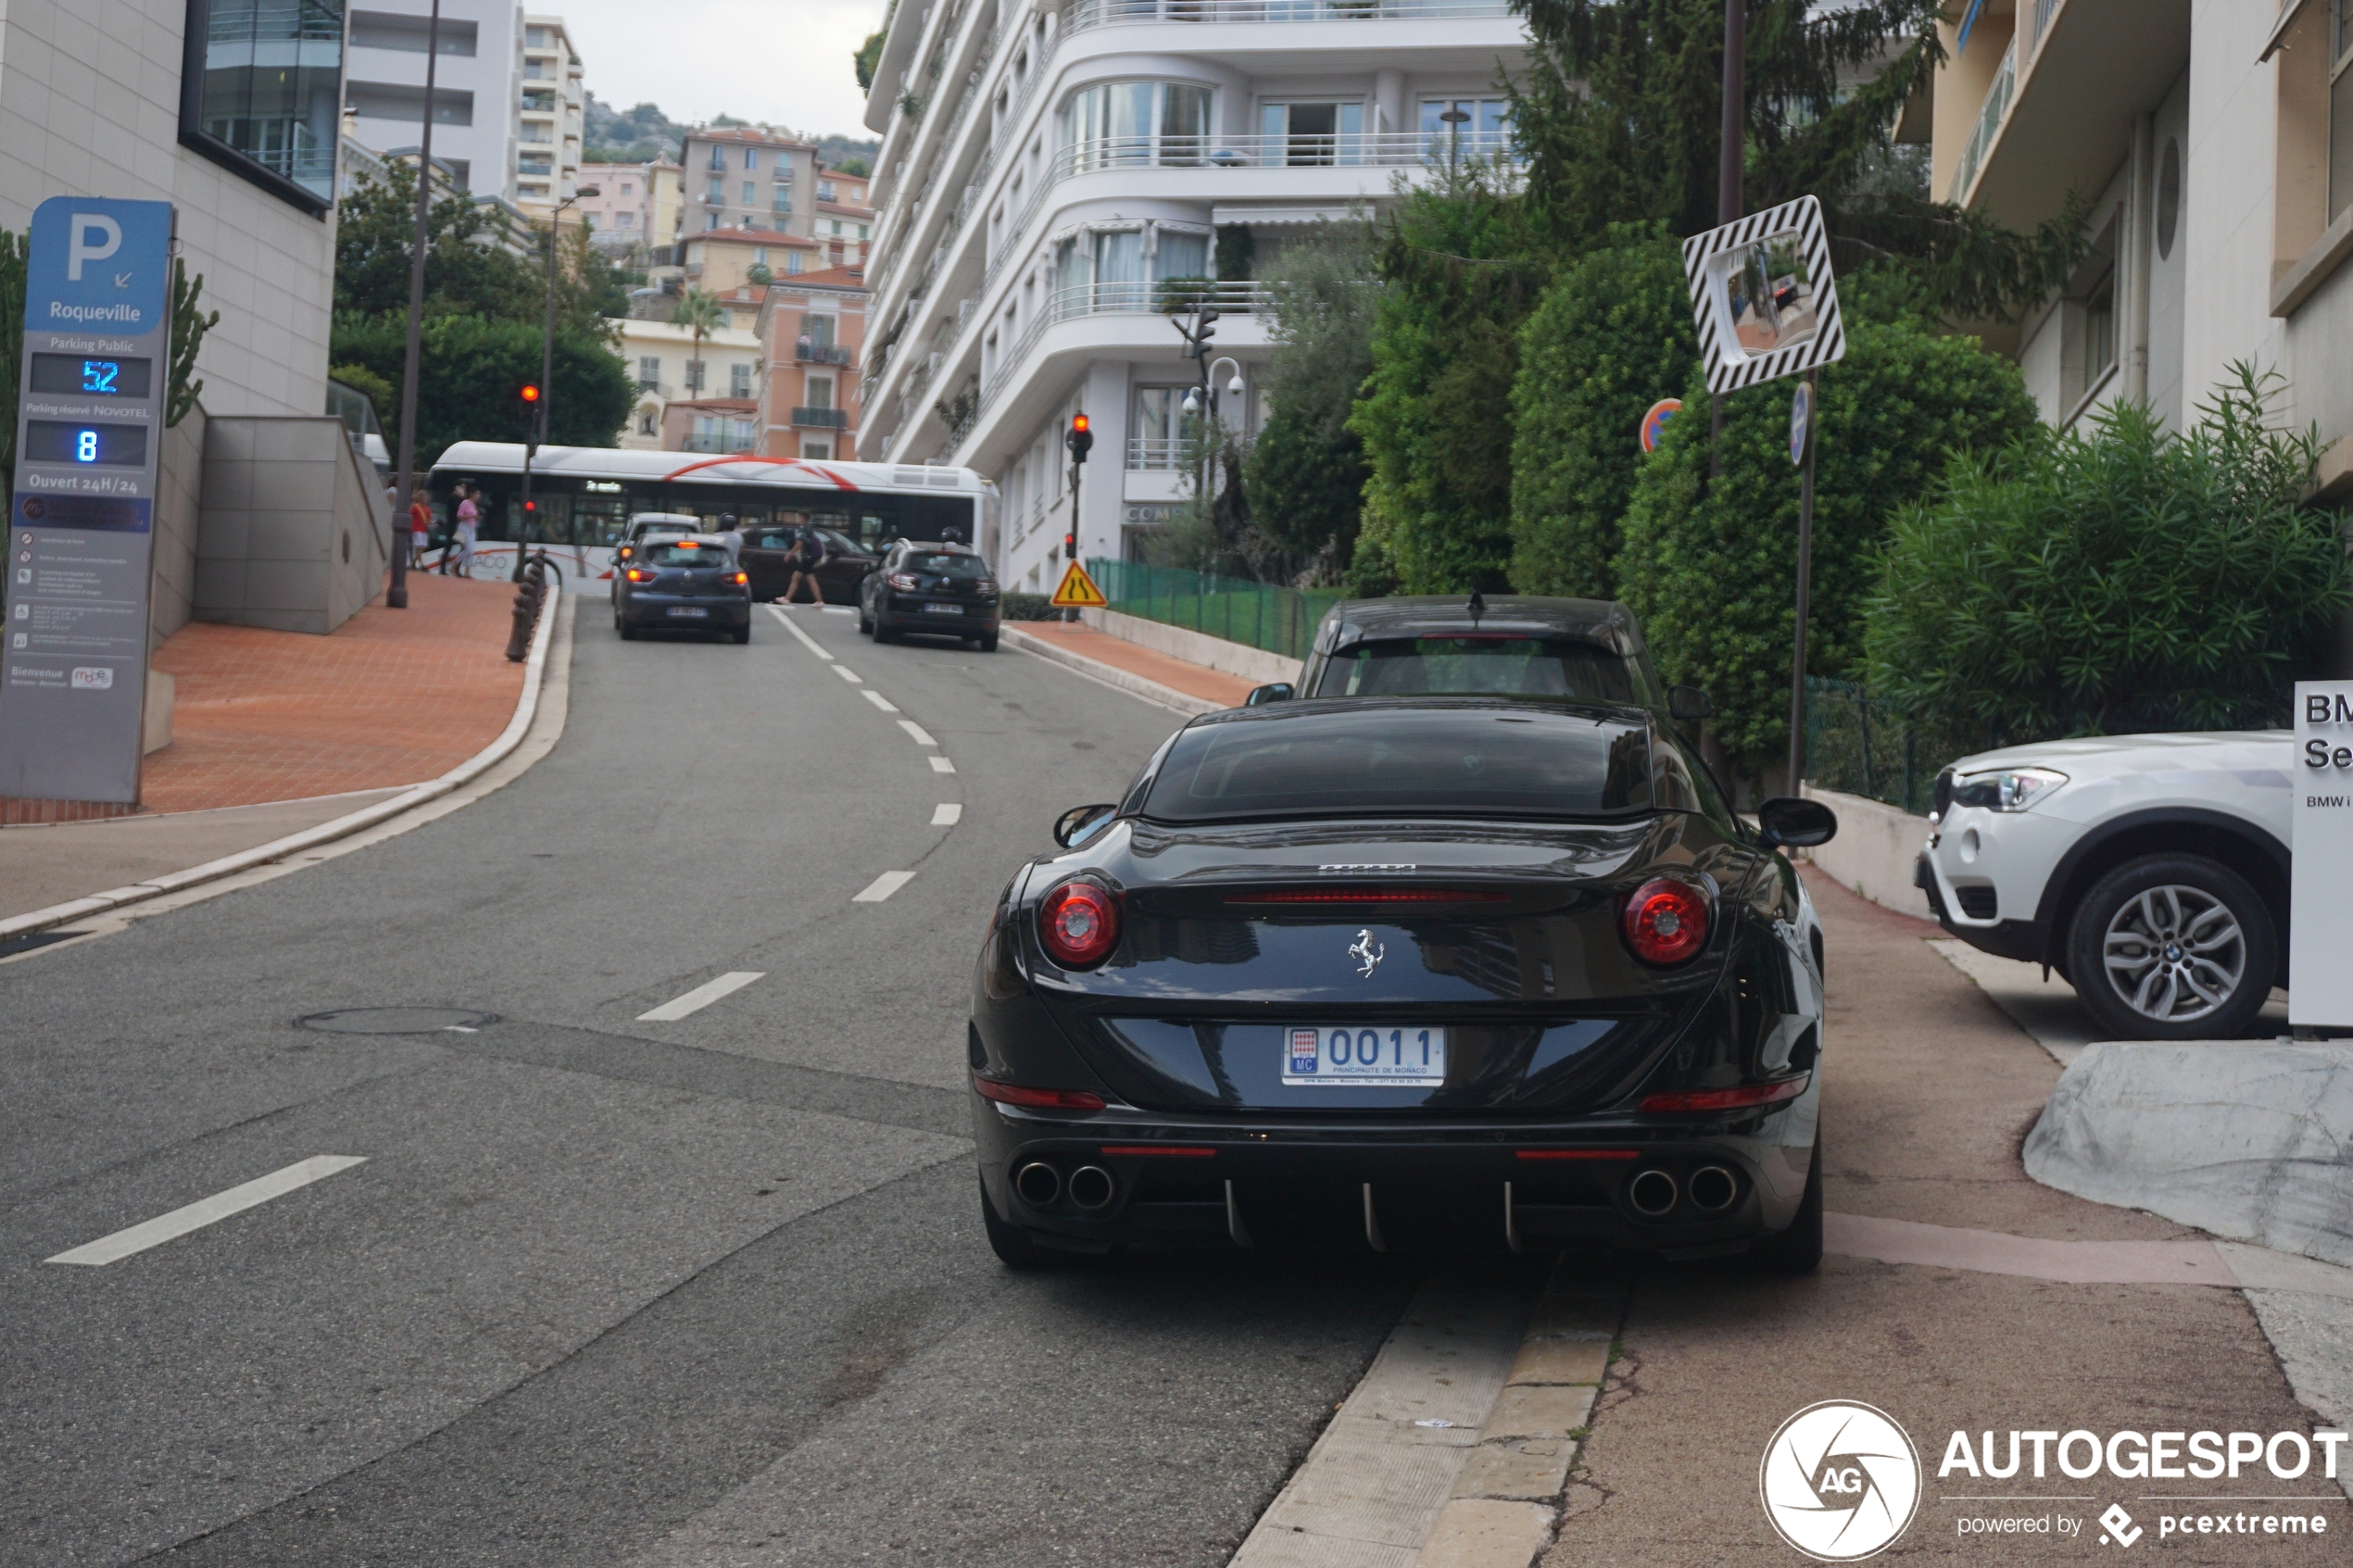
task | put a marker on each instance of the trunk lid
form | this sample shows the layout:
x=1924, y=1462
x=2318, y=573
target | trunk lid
x=1236, y=942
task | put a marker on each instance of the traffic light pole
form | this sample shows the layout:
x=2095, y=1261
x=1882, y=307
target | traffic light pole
x=1804, y=582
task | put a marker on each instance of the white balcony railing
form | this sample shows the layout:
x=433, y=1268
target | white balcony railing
x=1155, y=451
x=1113, y=13
x=1076, y=301
x=1989, y=126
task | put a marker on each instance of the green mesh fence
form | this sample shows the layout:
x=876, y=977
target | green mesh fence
x=1258, y=614
x=1858, y=744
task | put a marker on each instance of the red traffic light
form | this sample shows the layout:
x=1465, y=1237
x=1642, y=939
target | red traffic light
x=1079, y=439
x=1079, y=422
x=531, y=506
x=530, y=392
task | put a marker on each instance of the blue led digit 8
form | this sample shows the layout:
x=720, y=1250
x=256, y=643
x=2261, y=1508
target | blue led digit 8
x=86, y=447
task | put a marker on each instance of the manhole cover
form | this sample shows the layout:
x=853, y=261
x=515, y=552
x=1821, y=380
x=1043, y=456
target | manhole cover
x=396, y=1021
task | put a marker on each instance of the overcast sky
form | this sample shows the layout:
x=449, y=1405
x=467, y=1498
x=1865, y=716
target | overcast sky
x=784, y=61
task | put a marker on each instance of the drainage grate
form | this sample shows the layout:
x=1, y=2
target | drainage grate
x=37, y=939
x=396, y=1021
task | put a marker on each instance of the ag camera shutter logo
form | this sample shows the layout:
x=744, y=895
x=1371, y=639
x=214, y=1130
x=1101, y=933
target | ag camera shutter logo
x=1839, y=1481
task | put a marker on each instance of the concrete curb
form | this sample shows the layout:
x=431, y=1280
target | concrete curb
x=534, y=671
x=1506, y=1504
x=1110, y=674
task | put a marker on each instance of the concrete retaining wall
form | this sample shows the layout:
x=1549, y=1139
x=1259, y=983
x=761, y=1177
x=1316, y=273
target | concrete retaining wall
x=1874, y=850
x=1195, y=648
x=294, y=536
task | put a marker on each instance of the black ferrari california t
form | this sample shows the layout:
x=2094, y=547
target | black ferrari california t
x=1408, y=972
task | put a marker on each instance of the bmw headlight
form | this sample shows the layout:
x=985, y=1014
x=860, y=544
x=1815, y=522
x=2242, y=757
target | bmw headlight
x=2012, y=789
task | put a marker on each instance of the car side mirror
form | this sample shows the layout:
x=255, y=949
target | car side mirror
x=1688, y=705
x=1081, y=824
x=1788, y=822
x=1276, y=691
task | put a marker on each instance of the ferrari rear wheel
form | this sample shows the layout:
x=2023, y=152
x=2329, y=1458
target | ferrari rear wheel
x=1009, y=1242
x=1797, y=1250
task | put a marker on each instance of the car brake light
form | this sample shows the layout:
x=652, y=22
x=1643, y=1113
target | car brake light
x=1368, y=895
x=1742, y=1098
x=1045, y=1099
x=1079, y=923
x=740, y=578
x=1665, y=921
x=637, y=576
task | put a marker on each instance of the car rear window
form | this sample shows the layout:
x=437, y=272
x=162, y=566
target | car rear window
x=1478, y=666
x=686, y=552
x=1377, y=758
x=948, y=565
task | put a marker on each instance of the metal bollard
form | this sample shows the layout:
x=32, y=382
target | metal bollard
x=531, y=594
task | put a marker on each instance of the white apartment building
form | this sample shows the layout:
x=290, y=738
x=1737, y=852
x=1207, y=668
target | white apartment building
x=477, y=85
x=2215, y=139
x=1044, y=167
x=548, y=116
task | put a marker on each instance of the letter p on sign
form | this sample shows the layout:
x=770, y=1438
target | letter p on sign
x=94, y=237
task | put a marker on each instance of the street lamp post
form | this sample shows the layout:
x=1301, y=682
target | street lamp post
x=397, y=595
x=538, y=431
x=1454, y=119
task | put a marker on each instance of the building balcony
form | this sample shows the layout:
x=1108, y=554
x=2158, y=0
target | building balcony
x=824, y=353
x=1156, y=452
x=714, y=445
x=820, y=418
x=2057, y=113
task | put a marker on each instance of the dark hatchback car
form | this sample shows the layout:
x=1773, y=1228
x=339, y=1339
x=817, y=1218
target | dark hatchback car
x=682, y=585
x=938, y=590
x=1408, y=972
x=1583, y=650
x=767, y=549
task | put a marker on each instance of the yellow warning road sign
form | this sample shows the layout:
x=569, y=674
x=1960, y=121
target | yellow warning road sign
x=1078, y=591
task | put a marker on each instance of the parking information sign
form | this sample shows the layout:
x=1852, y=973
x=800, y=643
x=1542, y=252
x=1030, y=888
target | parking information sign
x=96, y=373
x=2320, y=993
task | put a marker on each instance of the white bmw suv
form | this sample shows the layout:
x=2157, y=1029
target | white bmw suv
x=2151, y=870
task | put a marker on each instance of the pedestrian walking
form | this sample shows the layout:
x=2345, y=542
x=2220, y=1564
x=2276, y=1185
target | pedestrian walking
x=469, y=527
x=420, y=527
x=808, y=552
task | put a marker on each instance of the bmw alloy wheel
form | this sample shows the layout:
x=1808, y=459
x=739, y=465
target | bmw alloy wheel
x=2174, y=953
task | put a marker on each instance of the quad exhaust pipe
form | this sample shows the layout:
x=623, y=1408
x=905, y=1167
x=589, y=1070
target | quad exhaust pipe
x=1652, y=1193
x=1039, y=1184
x=1091, y=1188
x=1713, y=1188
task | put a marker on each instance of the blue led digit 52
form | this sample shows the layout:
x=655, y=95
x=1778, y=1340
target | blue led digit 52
x=99, y=375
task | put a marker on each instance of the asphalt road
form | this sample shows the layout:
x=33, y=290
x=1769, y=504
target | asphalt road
x=606, y=1290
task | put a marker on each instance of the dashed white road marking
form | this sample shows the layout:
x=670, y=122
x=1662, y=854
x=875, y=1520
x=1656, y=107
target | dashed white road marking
x=847, y=673
x=941, y=764
x=884, y=886
x=806, y=640
x=702, y=997
x=879, y=700
x=944, y=814
x=916, y=732
x=207, y=1211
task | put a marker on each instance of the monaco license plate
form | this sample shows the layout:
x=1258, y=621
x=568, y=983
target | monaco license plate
x=1336, y=1057
x=690, y=612
x=943, y=610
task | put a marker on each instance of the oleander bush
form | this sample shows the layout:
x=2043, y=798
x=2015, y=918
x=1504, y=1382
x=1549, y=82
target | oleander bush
x=2131, y=579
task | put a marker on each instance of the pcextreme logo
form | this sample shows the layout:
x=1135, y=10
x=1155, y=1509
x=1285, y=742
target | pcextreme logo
x=1839, y=1481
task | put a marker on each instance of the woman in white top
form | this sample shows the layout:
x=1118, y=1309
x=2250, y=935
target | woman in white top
x=468, y=522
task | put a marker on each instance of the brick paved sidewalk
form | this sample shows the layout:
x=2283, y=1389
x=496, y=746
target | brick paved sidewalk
x=1193, y=680
x=392, y=697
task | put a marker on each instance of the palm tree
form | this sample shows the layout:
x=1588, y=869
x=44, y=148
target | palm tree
x=699, y=312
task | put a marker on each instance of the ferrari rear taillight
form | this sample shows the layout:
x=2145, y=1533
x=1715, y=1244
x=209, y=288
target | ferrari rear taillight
x=1665, y=921
x=1078, y=923
x=1037, y=1099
